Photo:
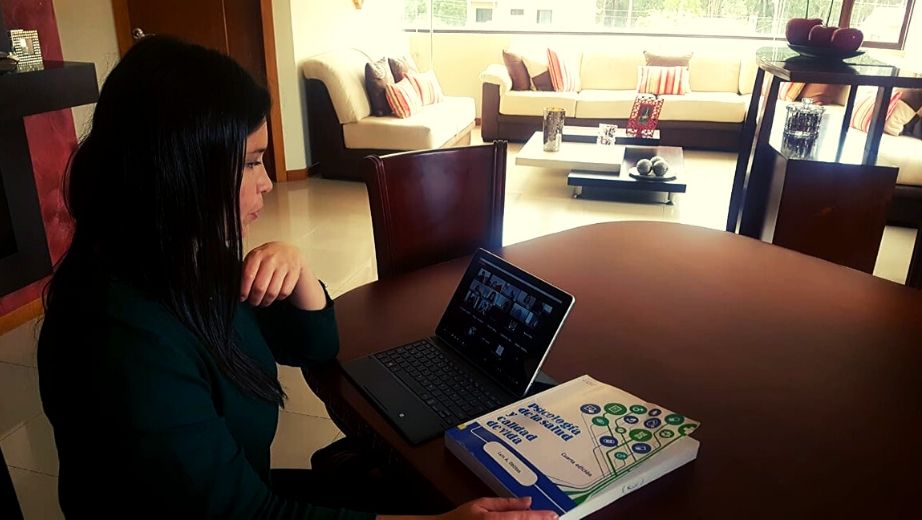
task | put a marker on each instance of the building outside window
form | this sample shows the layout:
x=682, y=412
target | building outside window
x=884, y=22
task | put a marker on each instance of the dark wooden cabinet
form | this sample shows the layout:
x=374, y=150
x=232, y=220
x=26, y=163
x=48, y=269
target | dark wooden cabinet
x=242, y=29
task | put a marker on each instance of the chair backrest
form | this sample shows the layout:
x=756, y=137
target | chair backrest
x=435, y=205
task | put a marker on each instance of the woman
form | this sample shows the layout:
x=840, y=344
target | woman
x=157, y=355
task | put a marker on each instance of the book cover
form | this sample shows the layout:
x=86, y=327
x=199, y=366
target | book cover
x=574, y=448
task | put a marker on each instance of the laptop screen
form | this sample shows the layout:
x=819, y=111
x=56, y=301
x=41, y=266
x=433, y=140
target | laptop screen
x=504, y=320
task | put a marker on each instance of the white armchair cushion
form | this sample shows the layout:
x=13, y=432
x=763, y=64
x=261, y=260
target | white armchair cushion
x=497, y=75
x=533, y=102
x=431, y=127
x=343, y=73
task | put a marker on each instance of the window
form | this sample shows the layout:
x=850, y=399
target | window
x=884, y=22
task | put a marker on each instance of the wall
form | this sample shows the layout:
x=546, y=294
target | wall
x=317, y=26
x=87, y=30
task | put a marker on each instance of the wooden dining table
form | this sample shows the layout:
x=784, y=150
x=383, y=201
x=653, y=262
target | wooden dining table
x=806, y=376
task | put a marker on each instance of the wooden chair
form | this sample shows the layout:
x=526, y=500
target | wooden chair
x=435, y=205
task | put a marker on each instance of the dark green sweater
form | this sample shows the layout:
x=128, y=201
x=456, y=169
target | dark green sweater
x=147, y=425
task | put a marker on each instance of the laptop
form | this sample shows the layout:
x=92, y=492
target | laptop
x=486, y=353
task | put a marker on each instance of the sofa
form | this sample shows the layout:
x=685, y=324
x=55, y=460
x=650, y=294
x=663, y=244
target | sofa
x=343, y=130
x=710, y=116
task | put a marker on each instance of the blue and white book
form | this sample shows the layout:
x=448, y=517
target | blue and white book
x=574, y=448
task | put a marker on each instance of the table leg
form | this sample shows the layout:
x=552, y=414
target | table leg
x=669, y=199
x=755, y=193
x=577, y=191
x=876, y=130
x=747, y=136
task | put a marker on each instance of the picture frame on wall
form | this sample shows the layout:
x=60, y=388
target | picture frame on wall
x=25, y=47
x=644, y=116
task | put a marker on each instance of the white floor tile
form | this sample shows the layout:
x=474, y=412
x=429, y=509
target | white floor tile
x=32, y=447
x=37, y=494
x=19, y=399
x=298, y=437
x=17, y=346
x=300, y=397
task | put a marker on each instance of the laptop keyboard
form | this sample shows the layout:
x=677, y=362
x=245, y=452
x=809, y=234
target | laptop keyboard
x=443, y=385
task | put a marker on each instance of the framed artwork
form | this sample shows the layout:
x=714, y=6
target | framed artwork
x=644, y=116
x=26, y=49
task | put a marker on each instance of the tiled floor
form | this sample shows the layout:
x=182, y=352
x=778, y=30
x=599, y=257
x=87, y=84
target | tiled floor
x=331, y=223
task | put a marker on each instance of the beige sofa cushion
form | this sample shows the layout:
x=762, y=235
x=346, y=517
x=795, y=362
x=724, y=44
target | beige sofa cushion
x=905, y=152
x=343, y=73
x=533, y=102
x=605, y=104
x=714, y=72
x=748, y=69
x=720, y=107
x=610, y=69
x=717, y=107
x=431, y=127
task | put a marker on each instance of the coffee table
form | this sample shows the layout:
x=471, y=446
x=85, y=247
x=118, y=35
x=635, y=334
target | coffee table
x=596, y=166
x=580, y=179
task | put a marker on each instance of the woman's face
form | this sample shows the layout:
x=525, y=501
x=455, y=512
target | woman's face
x=255, y=179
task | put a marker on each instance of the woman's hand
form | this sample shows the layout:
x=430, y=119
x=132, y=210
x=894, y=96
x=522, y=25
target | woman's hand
x=488, y=509
x=276, y=271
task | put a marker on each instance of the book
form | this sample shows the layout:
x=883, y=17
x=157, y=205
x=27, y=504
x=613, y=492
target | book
x=574, y=448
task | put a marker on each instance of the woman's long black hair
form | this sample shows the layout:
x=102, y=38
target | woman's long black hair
x=154, y=192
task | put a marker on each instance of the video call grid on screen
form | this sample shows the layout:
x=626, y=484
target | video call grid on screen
x=503, y=323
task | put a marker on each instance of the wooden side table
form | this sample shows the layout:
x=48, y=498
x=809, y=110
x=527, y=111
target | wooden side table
x=757, y=198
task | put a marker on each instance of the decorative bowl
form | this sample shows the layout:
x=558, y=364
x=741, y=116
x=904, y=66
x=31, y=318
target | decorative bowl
x=824, y=53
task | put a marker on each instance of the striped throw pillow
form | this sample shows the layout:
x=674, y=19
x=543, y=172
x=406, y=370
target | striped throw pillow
x=787, y=91
x=403, y=98
x=662, y=80
x=864, y=111
x=427, y=86
x=564, y=71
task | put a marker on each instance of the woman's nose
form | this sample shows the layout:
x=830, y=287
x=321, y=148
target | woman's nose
x=265, y=183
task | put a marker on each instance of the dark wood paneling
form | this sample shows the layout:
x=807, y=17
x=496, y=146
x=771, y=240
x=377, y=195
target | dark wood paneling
x=201, y=21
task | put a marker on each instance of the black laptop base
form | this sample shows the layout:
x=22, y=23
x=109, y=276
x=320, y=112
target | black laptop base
x=410, y=407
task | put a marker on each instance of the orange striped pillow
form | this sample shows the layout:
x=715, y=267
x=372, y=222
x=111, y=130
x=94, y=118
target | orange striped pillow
x=787, y=91
x=662, y=80
x=403, y=98
x=427, y=86
x=864, y=110
x=564, y=72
